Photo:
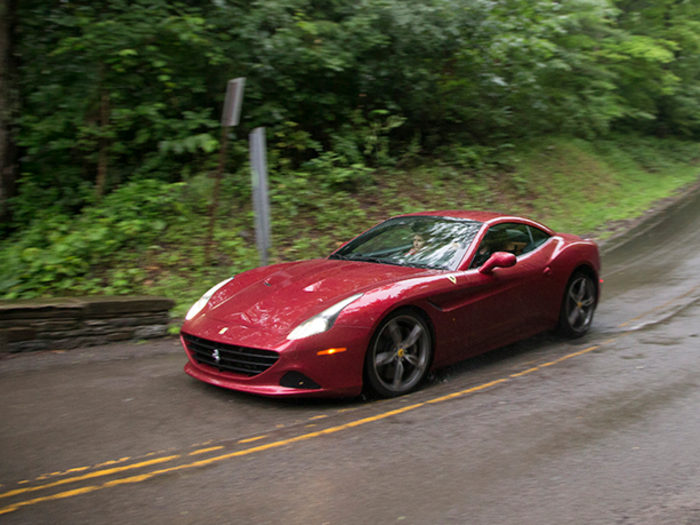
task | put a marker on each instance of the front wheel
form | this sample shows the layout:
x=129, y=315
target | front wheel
x=399, y=354
x=580, y=300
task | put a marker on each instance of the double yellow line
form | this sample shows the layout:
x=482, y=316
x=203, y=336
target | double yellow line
x=216, y=459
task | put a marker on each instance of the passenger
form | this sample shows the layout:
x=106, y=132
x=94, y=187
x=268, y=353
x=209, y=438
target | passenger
x=418, y=244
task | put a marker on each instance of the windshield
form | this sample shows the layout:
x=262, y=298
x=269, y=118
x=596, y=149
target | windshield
x=420, y=241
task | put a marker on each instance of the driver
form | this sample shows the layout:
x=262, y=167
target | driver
x=495, y=241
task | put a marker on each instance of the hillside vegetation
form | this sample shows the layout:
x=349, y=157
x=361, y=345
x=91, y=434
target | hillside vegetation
x=576, y=113
x=149, y=236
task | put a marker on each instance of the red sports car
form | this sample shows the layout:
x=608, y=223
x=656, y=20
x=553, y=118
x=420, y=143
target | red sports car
x=413, y=293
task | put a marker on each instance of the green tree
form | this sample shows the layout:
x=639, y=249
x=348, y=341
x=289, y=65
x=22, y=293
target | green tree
x=668, y=32
x=115, y=90
x=7, y=110
x=112, y=89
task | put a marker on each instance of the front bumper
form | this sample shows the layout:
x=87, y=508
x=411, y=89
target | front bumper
x=335, y=375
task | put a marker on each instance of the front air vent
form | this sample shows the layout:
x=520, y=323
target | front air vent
x=230, y=358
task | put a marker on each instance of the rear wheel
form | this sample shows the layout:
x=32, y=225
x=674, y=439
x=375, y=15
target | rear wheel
x=399, y=354
x=580, y=301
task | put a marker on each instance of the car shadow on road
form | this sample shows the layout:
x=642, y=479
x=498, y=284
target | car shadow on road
x=485, y=366
x=507, y=358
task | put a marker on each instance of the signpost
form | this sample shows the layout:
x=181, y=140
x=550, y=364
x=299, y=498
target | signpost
x=230, y=116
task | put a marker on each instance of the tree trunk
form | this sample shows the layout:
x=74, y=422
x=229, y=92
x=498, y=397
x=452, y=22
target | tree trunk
x=7, y=148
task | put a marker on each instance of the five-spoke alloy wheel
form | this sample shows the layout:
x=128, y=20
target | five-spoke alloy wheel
x=399, y=355
x=580, y=300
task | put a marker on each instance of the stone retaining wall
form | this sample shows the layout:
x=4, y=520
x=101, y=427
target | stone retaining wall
x=73, y=322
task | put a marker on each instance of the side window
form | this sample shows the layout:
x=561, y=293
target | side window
x=508, y=237
x=537, y=239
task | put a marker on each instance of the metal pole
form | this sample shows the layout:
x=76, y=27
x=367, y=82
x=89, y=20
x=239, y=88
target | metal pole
x=261, y=201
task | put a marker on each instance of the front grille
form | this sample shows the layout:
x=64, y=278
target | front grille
x=231, y=358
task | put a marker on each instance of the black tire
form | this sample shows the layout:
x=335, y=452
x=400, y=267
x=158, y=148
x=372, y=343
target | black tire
x=578, y=306
x=399, y=354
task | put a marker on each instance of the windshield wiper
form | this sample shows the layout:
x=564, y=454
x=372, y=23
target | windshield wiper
x=353, y=257
x=363, y=258
x=369, y=258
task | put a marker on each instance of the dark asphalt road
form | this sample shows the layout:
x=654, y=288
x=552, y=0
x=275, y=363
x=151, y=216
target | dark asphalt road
x=602, y=430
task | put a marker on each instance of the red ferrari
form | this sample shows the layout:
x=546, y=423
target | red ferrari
x=414, y=293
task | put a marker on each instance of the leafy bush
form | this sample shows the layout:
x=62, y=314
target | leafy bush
x=58, y=251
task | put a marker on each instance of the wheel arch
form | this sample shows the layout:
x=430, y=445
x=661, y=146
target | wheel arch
x=587, y=269
x=581, y=269
x=412, y=308
x=417, y=310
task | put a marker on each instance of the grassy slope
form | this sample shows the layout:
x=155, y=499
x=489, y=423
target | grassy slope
x=570, y=185
x=580, y=188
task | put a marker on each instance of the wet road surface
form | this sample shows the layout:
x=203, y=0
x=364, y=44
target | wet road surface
x=601, y=430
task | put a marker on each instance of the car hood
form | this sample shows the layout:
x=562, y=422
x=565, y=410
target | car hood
x=280, y=297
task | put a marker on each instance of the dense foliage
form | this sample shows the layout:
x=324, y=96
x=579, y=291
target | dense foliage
x=126, y=94
x=115, y=90
x=149, y=236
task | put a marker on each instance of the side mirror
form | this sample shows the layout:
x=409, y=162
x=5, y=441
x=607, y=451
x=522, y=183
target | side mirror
x=498, y=260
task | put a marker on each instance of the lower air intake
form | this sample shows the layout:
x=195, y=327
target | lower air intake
x=298, y=380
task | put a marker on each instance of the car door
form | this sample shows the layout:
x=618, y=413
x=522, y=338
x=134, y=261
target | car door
x=481, y=311
x=506, y=304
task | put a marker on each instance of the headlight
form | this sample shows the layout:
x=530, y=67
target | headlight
x=321, y=322
x=199, y=305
